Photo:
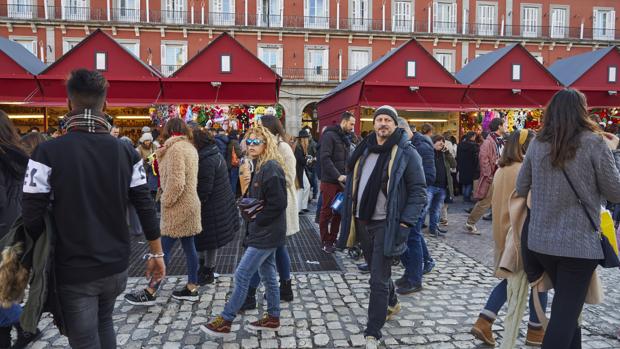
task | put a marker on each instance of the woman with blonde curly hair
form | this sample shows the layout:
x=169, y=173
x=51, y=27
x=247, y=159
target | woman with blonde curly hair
x=266, y=232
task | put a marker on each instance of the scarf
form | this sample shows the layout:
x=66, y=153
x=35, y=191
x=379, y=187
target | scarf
x=499, y=143
x=377, y=180
x=87, y=121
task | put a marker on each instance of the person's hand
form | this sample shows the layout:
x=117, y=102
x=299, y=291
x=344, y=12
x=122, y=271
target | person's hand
x=342, y=178
x=155, y=270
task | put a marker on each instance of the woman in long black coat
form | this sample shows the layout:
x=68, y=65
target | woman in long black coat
x=467, y=164
x=220, y=217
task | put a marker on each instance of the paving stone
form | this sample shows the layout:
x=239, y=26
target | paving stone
x=321, y=340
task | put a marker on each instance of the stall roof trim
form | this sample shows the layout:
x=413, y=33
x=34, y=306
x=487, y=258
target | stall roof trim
x=94, y=34
x=570, y=69
x=21, y=56
x=474, y=69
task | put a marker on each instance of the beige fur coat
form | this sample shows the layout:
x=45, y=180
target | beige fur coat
x=292, y=213
x=180, y=206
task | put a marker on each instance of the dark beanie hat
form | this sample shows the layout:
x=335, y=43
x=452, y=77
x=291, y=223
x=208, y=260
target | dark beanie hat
x=386, y=110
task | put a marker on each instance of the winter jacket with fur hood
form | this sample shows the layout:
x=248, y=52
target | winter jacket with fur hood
x=180, y=206
x=13, y=162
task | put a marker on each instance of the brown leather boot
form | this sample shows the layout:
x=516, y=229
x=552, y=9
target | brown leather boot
x=535, y=336
x=483, y=330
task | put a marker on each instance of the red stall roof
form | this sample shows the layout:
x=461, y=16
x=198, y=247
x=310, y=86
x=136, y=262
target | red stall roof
x=508, y=78
x=132, y=82
x=594, y=73
x=223, y=72
x=18, y=66
x=408, y=77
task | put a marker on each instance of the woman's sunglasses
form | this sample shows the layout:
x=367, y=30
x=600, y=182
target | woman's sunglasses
x=254, y=141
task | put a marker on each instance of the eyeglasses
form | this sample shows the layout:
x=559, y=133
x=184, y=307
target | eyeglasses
x=254, y=141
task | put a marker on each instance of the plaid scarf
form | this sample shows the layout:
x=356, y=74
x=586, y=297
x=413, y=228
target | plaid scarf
x=87, y=121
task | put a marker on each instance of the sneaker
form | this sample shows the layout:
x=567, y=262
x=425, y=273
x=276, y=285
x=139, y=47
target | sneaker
x=186, y=294
x=392, y=311
x=217, y=328
x=372, y=342
x=25, y=338
x=534, y=336
x=437, y=233
x=329, y=248
x=401, y=281
x=428, y=266
x=205, y=276
x=471, y=228
x=408, y=288
x=443, y=222
x=141, y=297
x=267, y=323
x=364, y=268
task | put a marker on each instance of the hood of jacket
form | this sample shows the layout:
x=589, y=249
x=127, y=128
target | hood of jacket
x=222, y=138
x=161, y=152
x=419, y=138
x=208, y=150
x=468, y=146
x=13, y=160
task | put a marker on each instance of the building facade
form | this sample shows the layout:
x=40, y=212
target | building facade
x=314, y=44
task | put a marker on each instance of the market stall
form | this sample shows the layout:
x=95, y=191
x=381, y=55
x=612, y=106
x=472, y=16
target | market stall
x=408, y=78
x=18, y=68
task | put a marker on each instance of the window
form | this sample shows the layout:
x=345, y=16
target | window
x=611, y=74
x=402, y=20
x=411, y=69
x=604, y=24
x=132, y=46
x=359, y=13
x=69, y=43
x=444, y=17
x=24, y=9
x=516, y=72
x=75, y=10
x=127, y=11
x=316, y=14
x=101, y=61
x=316, y=63
x=174, y=11
x=559, y=22
x=446, y=58
x=30, y=43
x=359, y=57
x=271, y=55
x=225, y=64
x=222, y=12
x=173, y=56
x=530, y=20
x=270, y=13
x=487, y=19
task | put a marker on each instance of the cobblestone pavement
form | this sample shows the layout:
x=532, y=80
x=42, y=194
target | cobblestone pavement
x=329, y=310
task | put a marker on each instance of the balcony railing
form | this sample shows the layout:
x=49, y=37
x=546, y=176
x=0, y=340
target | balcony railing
x=317, y=74
x=15, y=11
x=168, y=69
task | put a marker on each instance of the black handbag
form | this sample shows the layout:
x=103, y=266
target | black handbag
x=249, y=207
x=610, y=258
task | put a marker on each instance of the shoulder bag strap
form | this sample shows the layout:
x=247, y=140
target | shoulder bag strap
x=579, y=201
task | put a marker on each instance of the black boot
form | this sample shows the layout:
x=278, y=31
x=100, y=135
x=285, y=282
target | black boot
x=286, y=291
x=25, y=338
x=205, y=276
x=5, y=337
x=250, y=300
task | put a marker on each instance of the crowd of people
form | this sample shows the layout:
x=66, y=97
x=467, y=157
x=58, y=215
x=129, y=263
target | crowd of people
x=82, y=191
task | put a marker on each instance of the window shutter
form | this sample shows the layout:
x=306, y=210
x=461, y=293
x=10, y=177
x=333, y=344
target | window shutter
x=596, y=20
x=280, y=59
x=453, y=15
x=307, y=7
x=163, y=59
x=259, y=12
x=611, y=23
x=326, y=58
x=435, y=14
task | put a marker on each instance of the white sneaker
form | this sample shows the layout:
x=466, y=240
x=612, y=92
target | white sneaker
x=471, y=228
x=372, y=342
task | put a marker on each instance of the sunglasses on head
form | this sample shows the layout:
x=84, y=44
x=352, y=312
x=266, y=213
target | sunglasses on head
x=254, y=141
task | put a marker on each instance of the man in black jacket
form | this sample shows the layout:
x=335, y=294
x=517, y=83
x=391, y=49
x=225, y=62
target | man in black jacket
x=334, y=153
x=89, y=178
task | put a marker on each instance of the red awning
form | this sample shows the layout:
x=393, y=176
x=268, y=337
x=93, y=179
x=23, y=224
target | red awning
x=17, y=70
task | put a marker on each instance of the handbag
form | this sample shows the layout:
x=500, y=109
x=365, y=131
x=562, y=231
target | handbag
x=610, y=258
x=249, y=207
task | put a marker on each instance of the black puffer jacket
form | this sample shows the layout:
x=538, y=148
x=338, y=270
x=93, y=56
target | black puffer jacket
x=467, y=162
x=334, y=154
x=220, y=217
x=424, y=146
x=13, y=163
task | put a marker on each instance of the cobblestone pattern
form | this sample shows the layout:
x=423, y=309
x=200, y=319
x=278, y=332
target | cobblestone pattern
x=330, y=309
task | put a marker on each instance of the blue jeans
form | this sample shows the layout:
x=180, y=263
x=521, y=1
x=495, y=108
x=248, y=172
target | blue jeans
x=319, y=203
x=283, y=264
x=234, y=179
x=191, y=256
x=263, y=261
x=314, y=182
x=10, y=316
x=417, y=253
x=499, y=296
x=436, y=197
x=468, y=190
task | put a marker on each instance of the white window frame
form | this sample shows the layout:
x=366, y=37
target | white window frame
x=516, y=72
x=219, y=16
x=126, y=14
x=169, y=69
x=21, y=9
x=607, y=33
x=273, y=20
x=445, y=25
x=172, y=14
x=488, y=28
x=279, y=56
x=135, y=43
x=612, y=74
x=557, y=30
x=363, y=22
x=531, y=30
x=316, y=22
x=403, y=22
x=411, y=69
x=368, y=50
x=75, y=13
x=312, y=73
x=32, y=41
x=452, y=67
x=69, y=41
